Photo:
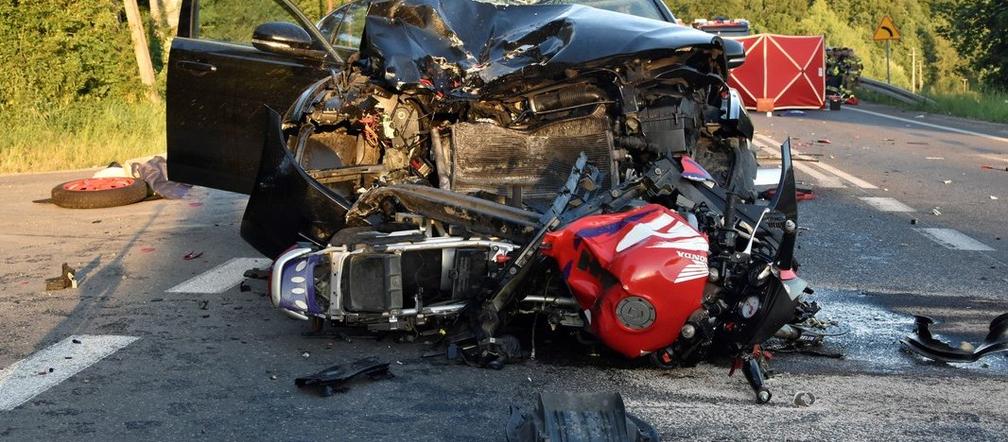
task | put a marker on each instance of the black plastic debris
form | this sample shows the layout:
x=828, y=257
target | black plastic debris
x=67, y=279
x=258, y=273
x=578, y=417
x=923, y=343
x=334, y=379
x=503, y=350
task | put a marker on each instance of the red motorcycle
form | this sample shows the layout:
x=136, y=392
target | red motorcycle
x=673, y=282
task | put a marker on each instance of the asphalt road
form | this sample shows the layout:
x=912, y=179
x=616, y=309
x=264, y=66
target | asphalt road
x=221, y=366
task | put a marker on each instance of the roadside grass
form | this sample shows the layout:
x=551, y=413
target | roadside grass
x=986, y=106
x=80, y=135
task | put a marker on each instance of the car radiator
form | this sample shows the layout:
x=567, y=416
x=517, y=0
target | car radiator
x=487, y=157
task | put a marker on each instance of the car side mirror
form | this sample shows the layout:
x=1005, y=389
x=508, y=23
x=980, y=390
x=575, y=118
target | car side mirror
x=734, y=53
x=285, y=39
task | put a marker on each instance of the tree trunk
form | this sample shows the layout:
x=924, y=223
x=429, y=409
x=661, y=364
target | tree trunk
x=156, y=14
x=170, y=9
x=140, y=49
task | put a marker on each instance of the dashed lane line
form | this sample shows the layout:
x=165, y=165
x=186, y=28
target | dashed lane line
x=948, y=238
x=857, y=182
x=846, y=176
x=954, y=239
x=932, y=125
x=221, y=278
x=886, y=204
x=45, y=369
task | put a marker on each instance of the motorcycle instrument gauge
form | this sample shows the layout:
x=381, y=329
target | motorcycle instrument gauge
x=749, y=307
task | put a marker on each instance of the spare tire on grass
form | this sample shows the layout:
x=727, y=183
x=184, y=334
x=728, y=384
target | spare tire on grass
x=94, y=193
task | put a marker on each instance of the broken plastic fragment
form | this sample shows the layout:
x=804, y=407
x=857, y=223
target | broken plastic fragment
x=332, y=379
x=693, y=171
x=804, y=399
x=923, y=343
x=68, y=279
x=577, y=416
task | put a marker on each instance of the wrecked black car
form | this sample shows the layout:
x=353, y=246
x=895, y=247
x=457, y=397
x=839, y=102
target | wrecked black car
x=422, y=163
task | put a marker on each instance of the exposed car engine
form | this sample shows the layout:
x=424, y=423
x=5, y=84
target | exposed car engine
x=523, y=145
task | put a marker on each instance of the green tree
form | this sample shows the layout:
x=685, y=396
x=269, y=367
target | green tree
x=54, y=53
x=977, y=29
x=850, y=23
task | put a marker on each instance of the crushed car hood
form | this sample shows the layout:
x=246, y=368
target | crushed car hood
x=462, y=46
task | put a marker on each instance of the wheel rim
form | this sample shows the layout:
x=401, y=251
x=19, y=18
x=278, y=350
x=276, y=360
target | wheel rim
x=98, y=184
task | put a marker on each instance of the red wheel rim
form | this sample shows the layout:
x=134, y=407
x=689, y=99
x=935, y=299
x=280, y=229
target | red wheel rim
x=97, y=184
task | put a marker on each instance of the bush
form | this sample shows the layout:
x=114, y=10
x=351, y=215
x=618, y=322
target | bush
x=56, y=53
x=86, y=134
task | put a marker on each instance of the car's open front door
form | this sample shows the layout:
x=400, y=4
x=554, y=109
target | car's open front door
x=218, y=84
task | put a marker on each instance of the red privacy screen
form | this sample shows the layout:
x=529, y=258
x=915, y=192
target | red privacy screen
x=781, y=72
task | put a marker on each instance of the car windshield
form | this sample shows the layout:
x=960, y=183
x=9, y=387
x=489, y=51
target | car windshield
x=640, y=8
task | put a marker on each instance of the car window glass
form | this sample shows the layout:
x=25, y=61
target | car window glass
x=352, y=27
x=233, y=21
x=330, y=24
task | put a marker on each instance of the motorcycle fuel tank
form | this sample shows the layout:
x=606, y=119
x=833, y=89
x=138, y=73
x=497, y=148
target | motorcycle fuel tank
x=638, y=275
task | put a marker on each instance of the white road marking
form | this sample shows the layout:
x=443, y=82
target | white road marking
x=221, y=278
x=846, y=176
x=886, y=204
x=822, y=179
x=767, y=176
x=954, y=239
x=837, y=172
x=30, y=377
x=932, y=125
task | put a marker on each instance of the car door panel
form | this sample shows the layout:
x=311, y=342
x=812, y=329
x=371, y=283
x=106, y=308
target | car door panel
x=287, y=205
x=216, y=96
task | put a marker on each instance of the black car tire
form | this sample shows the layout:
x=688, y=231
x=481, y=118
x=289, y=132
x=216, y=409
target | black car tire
x=107, y=194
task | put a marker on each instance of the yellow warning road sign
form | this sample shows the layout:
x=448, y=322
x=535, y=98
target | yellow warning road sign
x=886, y=30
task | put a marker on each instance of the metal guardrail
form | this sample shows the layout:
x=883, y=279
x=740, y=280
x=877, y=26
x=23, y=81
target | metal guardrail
x=894, y=92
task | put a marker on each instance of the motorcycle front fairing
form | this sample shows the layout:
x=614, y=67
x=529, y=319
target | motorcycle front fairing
x=781, y=294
